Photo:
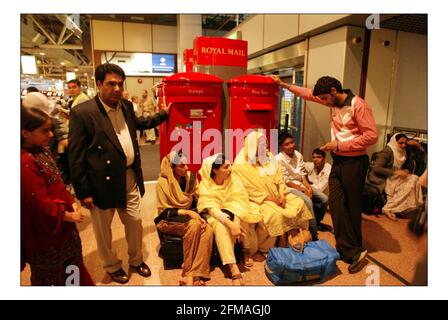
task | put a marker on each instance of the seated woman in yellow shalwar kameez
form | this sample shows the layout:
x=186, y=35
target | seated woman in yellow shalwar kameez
x=262, y=178
x=176, y=205
x=228, y=209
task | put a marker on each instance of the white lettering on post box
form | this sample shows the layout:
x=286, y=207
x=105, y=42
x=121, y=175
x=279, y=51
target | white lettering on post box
x=191, y=91
x=259, y=92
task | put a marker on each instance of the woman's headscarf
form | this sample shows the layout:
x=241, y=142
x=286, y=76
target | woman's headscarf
x=230, y=196
x=37, y=100
x=169, y=193
x=255, y=152
x=399, y=154
x=262, y=176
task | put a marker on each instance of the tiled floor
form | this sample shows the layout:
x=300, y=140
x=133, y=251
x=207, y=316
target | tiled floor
x=393, y=250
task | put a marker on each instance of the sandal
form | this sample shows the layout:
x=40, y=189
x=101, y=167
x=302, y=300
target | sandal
x=185, y=282
x=248, y=262
x=199, y=282
x=238, y=277
x=259, y=256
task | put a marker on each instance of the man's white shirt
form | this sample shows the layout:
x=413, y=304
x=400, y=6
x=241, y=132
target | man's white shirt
x=318, y=180
x=293, y=168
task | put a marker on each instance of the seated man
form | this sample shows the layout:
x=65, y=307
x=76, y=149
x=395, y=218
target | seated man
x=295, y=175
x=318, y=171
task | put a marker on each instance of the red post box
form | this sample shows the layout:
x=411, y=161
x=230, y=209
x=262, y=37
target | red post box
x=253, y=105
x=194, y=125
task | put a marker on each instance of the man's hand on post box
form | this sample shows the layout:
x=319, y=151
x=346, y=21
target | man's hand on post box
x=165, y=107
x=275, y=78
x=279, y=81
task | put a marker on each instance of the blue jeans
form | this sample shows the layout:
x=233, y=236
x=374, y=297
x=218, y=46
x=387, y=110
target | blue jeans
x=320, y=203
x=317, y=204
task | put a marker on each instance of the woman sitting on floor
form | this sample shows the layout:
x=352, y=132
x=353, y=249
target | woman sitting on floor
x=282, y=212
x=176, y=206
x=388, y=174
x=229, y=212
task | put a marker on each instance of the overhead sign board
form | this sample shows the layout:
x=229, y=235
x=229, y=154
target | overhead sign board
x=142, y=64
x=220, y=51
x=163, y=63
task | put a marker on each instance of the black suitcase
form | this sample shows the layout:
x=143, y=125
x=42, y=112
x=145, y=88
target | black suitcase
x=171, y=251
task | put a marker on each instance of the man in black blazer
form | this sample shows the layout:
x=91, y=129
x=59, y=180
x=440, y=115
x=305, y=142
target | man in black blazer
x=106, y=169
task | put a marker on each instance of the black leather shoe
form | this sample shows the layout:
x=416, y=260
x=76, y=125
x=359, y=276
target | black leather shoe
x=356, y=264
x=142, y=270
x=324, y=227
x=119, y=276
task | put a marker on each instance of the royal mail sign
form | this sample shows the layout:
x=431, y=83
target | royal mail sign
x=220, y=51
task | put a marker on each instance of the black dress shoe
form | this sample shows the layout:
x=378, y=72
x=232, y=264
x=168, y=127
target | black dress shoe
x=119, y=276
x=142, y=270
x=324, y=227
x=356, y=264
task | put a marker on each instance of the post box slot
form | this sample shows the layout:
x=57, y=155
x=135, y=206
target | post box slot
x=197, y=113
x=258, y=107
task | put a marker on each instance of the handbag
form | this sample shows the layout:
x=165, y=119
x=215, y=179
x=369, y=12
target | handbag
x=372, y=200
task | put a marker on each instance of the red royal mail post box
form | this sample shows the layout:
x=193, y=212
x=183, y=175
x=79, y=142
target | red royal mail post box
x=194, y=125
x=253, y=105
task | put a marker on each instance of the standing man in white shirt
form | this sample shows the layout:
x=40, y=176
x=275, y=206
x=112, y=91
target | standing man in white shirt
x=295, y=175
x=106, y=168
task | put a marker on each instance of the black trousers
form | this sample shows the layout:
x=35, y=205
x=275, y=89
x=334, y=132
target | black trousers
x=346, y=185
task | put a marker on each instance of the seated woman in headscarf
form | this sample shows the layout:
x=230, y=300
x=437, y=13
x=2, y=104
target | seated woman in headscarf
x=229, y=212
x=390, y=174
x=261, y=175
x=177, y=215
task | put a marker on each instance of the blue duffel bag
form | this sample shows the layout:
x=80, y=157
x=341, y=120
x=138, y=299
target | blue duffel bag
x=287, y=266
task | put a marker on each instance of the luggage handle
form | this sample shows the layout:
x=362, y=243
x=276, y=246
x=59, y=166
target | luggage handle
x=302, y=241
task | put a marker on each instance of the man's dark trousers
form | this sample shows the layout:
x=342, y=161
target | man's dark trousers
x=346, y=185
